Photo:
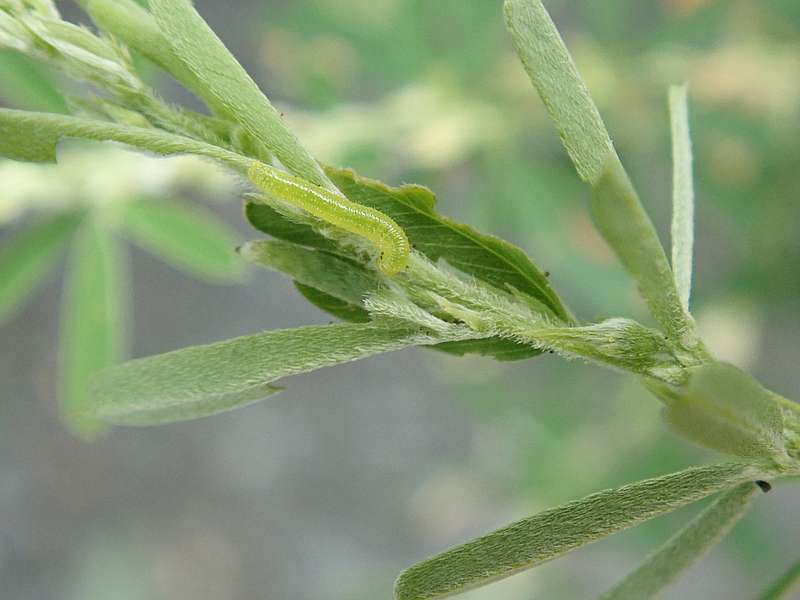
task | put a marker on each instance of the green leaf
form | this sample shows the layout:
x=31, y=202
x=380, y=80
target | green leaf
x=268, y=220
x=682, y=194
x=27, y=258
x=616, y=208
x=686, y=547
x=486, y=257
x=727, y=410
x=137, y=28
x=205, y=380
x=32, y=136
x=787, y=583
x=189, y=238
x=498, y=348
x=621, y=343
x=340, y=309
x=623, y=222
x=24, y=83
x=325, y=272
x=552, y=533
x=225, y=81
x=552, y=71
x=94, y=321
x=337, y=286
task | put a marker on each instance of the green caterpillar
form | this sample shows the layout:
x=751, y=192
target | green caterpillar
x=386, y=235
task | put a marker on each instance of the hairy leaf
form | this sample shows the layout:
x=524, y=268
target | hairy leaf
x=555, y=532
x=726, y=409
x=27, y=258
x=486, y=257
x=188, y=238
x=32, y=136
x=94, y=328
x=552, y=71
x=617, y=342
x=616, y=208
x=204, y=380
x=338, y=286
x=224, y=80
x=623, y=222
x=25, y=84
x=327, y=273
x=137, y=28
x=682, y=194
x=686, y=547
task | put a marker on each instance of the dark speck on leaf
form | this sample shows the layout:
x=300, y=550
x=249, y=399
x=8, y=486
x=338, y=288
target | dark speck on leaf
x=765, y=487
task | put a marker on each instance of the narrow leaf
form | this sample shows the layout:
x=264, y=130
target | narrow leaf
x=32, y=136
x=27, y=258
x=552, y=533
x=137, y=28
x=623, y=222
x=727, y=410
x=686, y=547
x=787, y=583
x=330, y=274
x=552, y=71
x=204, y=380
x=94, y=321
x=26, y=84
x=188, y=238
x=228, y=84
x=682, y=194
x=616, y=208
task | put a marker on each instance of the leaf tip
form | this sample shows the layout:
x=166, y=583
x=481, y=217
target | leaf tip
x=678, y=92
x=403, y=589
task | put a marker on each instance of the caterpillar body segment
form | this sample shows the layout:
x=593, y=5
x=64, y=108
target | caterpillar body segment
x=382, y=231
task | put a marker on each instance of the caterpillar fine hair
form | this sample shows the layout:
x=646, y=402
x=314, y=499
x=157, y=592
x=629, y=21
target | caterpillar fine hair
x=386, y=235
